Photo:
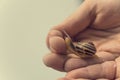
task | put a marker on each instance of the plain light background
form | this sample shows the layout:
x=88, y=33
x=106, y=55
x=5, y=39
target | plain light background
x=24, y=25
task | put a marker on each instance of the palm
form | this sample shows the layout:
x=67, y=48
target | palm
x=107, y=44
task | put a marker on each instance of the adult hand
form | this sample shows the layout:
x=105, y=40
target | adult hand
x=97, y=21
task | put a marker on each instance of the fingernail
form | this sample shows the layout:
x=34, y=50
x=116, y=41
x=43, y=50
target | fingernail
x=53, y=43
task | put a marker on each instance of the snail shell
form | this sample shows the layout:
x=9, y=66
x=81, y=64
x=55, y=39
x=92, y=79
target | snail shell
x=86, y=48
x=82, y=49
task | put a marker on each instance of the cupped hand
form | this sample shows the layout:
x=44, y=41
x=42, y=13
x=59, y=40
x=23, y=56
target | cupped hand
x=97, y=21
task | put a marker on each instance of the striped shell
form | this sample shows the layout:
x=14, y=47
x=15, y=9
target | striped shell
x=82, y=49
x=85, y=48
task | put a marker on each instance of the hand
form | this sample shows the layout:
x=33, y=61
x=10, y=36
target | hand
x=97, y=21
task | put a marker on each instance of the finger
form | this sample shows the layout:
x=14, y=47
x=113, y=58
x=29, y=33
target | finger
x=65, y=63
x=55, y=42
x=79, y=20
x=74, y=63
x=104, y=70
x=55, y=61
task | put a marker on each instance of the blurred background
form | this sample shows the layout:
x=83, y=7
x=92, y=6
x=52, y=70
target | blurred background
x=24, y=25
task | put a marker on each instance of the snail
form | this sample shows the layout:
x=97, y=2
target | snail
x=81, y=49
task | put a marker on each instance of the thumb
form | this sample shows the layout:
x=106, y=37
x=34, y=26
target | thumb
x=74, y=24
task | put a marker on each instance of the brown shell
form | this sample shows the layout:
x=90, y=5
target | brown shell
x=80, y=48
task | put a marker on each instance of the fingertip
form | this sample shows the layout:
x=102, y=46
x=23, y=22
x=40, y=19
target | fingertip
x=49, y=59
x=46, y=60
x=55, y=41
x=53, y=32
x=57, y=45
x=55, y=61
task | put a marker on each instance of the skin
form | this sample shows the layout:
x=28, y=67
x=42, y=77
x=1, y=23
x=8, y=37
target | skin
x=97, y=21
